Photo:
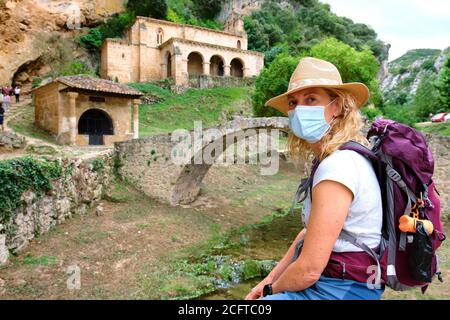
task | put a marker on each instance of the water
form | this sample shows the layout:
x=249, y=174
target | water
x=269, y=242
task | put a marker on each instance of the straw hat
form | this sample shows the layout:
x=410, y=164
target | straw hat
x=312, y=72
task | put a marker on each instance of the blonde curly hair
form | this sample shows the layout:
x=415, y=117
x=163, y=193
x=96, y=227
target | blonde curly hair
x=346, y=126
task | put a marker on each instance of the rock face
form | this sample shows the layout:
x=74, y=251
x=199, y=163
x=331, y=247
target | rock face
x=23, y=23
x=10, y=141
x=400, y=79
x=79, y=189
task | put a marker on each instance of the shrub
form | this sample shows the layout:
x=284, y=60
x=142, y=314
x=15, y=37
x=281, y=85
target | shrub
x=22, y=174
x=78, y=67
x=93, y=40
x=273, y=81
x=443, y=85
x=371, y=113
x=401, y=114
x=36, y=82
x=148, y=8
x=426, y=100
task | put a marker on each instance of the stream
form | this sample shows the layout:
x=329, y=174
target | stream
x=268, y=242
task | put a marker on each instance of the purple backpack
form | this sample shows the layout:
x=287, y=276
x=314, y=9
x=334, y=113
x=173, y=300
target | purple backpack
x=404, y=165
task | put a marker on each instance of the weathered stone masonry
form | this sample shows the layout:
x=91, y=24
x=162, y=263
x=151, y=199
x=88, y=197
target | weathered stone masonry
x=80, y=188
x=146, y=163
x=440, y=147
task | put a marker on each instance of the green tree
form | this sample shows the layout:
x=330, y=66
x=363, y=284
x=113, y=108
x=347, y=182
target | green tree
x=426, y=100
x=93, y=40
x=401, y=114
x=273, y=81
x=443, y=85
x=270, y=55
x=354, y=66
x=148, y=8
x=304, y=23
x=207, y=9
x=113, y=28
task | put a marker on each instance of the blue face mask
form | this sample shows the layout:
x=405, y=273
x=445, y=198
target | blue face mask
x=308, y=122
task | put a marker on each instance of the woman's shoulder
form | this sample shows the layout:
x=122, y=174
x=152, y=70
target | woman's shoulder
x=346, y=161
x=343, y=155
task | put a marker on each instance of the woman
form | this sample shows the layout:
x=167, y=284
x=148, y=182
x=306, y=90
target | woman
x=17, y=93
x=2, y=113
x=6, y=102
x=323, y=115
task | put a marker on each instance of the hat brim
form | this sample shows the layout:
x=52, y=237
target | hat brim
x=357, y=89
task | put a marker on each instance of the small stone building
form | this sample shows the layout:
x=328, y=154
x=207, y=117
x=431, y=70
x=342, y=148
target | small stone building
x=82, y=110
x=157, y=49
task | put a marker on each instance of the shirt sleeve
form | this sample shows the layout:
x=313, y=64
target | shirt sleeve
x=340, y=167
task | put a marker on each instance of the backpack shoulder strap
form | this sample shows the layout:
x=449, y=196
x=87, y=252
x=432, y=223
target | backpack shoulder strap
x=361, y=149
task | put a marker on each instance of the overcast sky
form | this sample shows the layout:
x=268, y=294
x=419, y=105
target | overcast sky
x=405, y=24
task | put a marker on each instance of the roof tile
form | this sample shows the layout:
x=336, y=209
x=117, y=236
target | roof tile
x=97, y=84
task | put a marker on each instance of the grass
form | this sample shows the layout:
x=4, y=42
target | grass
x=33, y=261
x=174, y=111
x=442, y=128
x=23, y=123
x=179, y=111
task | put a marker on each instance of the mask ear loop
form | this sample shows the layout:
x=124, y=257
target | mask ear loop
x=332, y=119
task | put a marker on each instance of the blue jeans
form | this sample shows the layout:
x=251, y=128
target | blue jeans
x=331, y=289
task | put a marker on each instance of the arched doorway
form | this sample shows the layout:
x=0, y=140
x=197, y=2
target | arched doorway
x=195, y=64
x=237, y=68
x=216, y=66
x=169, y=65
x=239, y=44
x=96, y=123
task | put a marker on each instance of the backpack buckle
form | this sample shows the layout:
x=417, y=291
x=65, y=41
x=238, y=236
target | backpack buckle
x=394, y=175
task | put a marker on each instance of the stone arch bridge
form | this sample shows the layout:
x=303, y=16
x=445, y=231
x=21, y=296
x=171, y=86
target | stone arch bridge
x=170, y=167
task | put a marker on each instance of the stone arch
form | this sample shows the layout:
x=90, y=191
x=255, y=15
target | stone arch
x=96, y=123
x=216, y=67
x=159, y=36
x=237, y=68
x=180, y=182
x=195, y=63
x=189, y=181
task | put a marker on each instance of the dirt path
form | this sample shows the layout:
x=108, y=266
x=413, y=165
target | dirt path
x=125, y=251
x=25, y=107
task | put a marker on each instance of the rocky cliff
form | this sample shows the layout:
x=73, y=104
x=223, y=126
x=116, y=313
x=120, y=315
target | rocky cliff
x=401, y=78
x=30, y=31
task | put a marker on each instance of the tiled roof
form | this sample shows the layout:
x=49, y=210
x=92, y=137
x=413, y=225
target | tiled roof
x=97, y=84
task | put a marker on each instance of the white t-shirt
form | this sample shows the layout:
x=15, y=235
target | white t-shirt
x=364, y=218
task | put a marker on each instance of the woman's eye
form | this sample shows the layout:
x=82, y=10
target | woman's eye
x=292, y=103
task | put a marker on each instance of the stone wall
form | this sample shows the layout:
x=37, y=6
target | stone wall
x=9, y=141
x=144, y=56
x=52, y=113
x=149, y=165
x=440, y=147
x=80, y=188
x=204, y=81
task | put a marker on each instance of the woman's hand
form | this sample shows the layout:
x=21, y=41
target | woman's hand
x=257, y=291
